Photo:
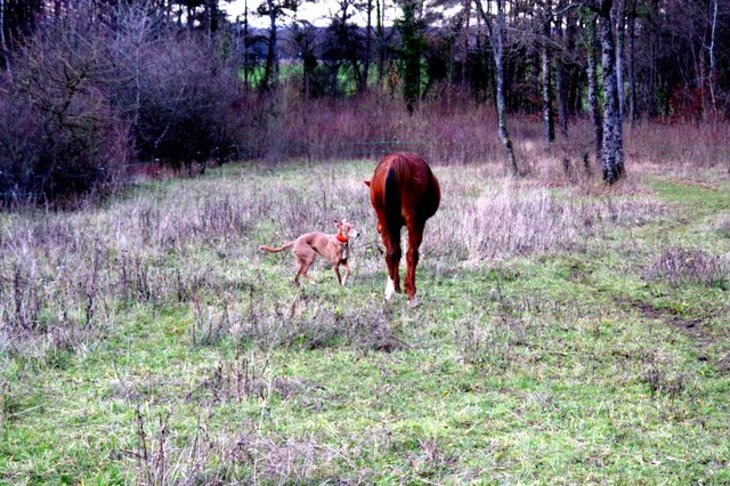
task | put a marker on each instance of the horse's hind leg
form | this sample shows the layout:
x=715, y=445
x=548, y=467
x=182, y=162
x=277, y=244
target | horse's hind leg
x=415, y=236
x=392, y=258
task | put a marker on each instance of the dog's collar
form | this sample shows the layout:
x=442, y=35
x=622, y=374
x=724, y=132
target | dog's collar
x=342, y=239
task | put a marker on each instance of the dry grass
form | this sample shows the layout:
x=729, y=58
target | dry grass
x=680, y=266
x=64, y=275
x=238, y=376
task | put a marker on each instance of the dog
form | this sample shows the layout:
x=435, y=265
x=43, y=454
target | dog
x=335, y=248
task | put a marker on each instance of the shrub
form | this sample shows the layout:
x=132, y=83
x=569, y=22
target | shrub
x=179, y=92
x=60, y=137
x=679, y=266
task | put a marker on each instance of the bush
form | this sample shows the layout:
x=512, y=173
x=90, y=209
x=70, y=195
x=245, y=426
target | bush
x=60, y=137
x=680, y=266
x=179, y=92
x=84, y=97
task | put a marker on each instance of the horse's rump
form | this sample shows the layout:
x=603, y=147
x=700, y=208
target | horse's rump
x=409, y=189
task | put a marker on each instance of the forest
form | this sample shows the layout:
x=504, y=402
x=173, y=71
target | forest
x=90, y=87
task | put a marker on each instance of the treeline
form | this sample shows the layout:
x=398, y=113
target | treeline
x=90, y=86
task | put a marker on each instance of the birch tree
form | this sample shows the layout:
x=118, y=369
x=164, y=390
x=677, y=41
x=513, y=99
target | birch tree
x=548, y=118
x=496, y=30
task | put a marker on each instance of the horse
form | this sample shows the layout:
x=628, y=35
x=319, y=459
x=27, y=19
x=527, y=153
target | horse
x=403, y=192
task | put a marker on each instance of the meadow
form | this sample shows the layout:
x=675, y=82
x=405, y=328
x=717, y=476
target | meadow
x=567, y=332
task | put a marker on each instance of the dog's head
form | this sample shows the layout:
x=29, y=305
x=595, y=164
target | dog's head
x=345, y=229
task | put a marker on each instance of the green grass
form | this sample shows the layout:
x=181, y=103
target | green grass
x=570, y=366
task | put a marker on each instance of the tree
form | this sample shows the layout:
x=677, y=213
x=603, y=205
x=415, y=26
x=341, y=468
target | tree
x=612, y=163
x=496, y=29
x=3, y=42
x=591, y=44
x=632, y=62
x=273, y=9
x=304, y=38
x=546, y=61
x=411, y=30
x=368, y=43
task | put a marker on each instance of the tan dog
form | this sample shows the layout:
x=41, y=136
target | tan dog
x=334, y=248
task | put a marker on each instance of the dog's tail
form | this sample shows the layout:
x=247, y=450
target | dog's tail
x=277, y=250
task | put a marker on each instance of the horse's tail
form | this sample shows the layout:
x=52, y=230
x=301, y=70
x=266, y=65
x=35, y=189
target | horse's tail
x=277, y=250
x=393, y=198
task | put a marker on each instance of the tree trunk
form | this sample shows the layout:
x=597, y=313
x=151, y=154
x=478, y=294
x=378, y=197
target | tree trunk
x=3, y=45
x=650, y=98
x=632, y=63
x=547, y=85
x=496, y=39
x=620, y=22
x=573, y=87
x=612, y=137
x=620, y=14
x=368, y=43
x=593, y=87
x=561, y=81
x=271, y=70
x=245, y=45
x=713, y=73
x=380, y=14
x=465, y=47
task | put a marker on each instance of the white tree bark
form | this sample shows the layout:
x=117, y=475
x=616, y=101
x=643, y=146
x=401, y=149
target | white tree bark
x=620, y=15
x=3, y=44
x=547, y=85
x=496, y=40
x=593, y=88
x=613, y=168
x=713, y=73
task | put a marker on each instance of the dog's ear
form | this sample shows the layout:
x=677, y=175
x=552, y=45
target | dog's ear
x=337, y=222
x=367, y=182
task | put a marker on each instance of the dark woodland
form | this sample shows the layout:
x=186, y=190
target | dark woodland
x=91, y=88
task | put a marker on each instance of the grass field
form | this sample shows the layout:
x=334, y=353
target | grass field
x=566, y=333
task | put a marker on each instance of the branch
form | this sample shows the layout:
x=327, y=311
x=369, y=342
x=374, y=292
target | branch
x=485, y=17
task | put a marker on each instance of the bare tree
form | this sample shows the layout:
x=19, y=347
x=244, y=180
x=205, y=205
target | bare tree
x=547, y=85
x=368, y=43
x=620, y=15
x=271, y=70
x=711, y=48
x=273, y=9
x=632, y=62
x=3, y=43
x=613, y=167
x=560, y=77
x=595, y=110
x=496, y=31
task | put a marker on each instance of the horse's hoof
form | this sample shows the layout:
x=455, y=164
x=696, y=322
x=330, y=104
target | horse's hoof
x=389, y=289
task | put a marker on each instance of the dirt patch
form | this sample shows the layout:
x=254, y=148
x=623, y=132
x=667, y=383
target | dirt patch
x=693, y=328
x=709, y=186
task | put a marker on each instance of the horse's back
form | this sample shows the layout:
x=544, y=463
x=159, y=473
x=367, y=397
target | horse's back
x=418, y=188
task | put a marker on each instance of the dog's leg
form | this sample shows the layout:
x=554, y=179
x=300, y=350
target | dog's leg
x=347, y=274
x=304, y=264
x=337, y=272
x=305, y=269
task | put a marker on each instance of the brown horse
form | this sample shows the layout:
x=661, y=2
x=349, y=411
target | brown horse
x=403, y=191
